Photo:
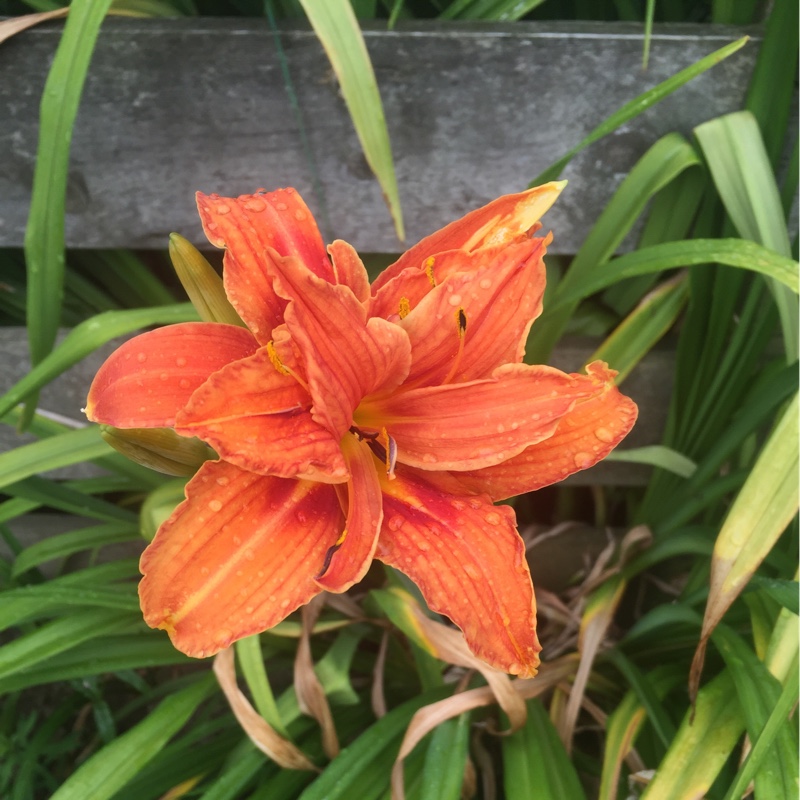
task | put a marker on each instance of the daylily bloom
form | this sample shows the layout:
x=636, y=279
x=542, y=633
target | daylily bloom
x=356, y=422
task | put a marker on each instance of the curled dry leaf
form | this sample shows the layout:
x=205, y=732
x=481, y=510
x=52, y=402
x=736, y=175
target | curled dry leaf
x=310, y=694
x=11, y=27
x=430, y=716
x=378, y=698
x=261, y=733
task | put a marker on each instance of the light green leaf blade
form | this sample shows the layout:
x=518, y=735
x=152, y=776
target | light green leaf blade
x=337, y=28
x=640, y=104
x=759, y=515
x=656, y=455
x=443, y=773
x=112, y=767
x=741, y=169
x=783, y=592
x=44, y=235
x=636, y=335
x=731, y=252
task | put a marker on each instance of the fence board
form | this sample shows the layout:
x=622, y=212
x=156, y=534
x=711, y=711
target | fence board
x=172, y=106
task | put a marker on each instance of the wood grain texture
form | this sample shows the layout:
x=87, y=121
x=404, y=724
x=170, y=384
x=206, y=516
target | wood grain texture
x=172, y=106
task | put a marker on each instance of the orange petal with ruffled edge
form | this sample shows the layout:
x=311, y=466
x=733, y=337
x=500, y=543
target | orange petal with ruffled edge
x=348, y=560
x=402, y=294
x=476, y=424
x=259, y=419
x=584, y=436
x=349, y=270
x=500, y=222
x=236, y=557
x=345, y=355
x=147, y=380
x=469, y=562
x=246, y=226
x=490, y=298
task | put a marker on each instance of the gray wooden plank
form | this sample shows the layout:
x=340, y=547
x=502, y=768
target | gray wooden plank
x=650, y=385
x=172, y=106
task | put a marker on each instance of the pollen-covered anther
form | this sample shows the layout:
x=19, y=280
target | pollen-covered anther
x=404, y=309
x=428, y=264
x=275, y=359
x=461, y=332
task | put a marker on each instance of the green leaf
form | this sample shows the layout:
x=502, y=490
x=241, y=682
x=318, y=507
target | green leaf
x=783, y=592
x=44, y=235
x=732, y=252
x=59, y=635
x=68, y=448
x=663, y=162
x=74, y=542
x=636, y=335
x=362, y=768
x=443, y=774
x=739, y=164
x=337, y=28
x=251, y=662
x=641, y=103
x=656, y=455
x=535, y=763
x=112, y=767
x=86, y=338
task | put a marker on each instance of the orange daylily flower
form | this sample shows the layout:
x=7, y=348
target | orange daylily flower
x=356, y=422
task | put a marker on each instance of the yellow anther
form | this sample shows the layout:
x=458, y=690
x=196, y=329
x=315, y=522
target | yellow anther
x=429, y=262
x=405, y=308
x=275, y=359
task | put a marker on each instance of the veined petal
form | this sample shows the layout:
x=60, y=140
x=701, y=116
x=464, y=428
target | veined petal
x=490, y=302
x=409, y=286
x=476, y=424
x=259, y=419
x=236, y=557
x=469, y=562
x=349, y=559
x=584, y=436
x=146, y=381
x=246, y=226
x=500, y=222
x=345, y=355
x=348, y=269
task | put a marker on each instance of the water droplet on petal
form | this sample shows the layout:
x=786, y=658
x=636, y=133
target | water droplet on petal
x=604, y=435
x=222, y=481
x=301, y=516
x=454, y=299
x=180, y=361
x=223, y=208
x=493, y=518
x=214, y=505
x=141, y=357
x=183, y=383
x=395, y=523
x=255, y=204
x=583, y=460
x=458, y=505
x=485, y=284
x=429, y=458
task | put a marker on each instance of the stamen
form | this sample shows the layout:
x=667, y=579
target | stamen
x=461, y=330
x=331, y=551
x=275, y=359
x=429, y=262
x=405, y=308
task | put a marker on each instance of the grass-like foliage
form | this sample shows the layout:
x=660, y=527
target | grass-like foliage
x=670, y=636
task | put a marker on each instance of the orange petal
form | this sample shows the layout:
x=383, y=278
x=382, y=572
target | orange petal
x=411, y=285
x=500, y=222
x=469, y=561
x=476, y=424
x=259, y=419
x=144, y=383
x=584, y=436
x=236, y=557
x=349, y=269
x=247, y=226
x=349, y=559
x=345, y=356
x=497, y=293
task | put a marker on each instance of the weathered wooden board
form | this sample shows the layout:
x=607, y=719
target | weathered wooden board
x=173, y=106
x=650, y=385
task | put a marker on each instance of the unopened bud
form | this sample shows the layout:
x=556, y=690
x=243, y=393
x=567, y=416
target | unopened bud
x=202, y=284
x=160, y=449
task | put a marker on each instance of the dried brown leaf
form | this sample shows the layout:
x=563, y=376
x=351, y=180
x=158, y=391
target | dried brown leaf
x=377, y=695
x=310, y=694
x=14, y=25
x=261, y=733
